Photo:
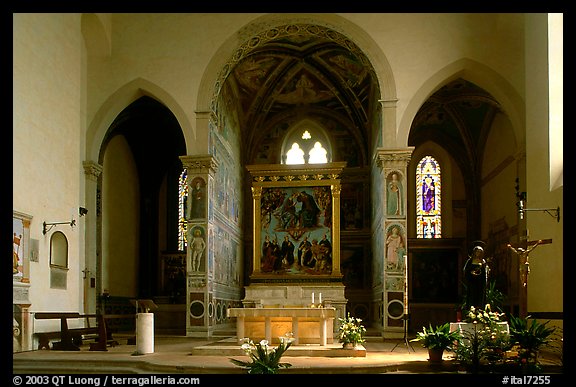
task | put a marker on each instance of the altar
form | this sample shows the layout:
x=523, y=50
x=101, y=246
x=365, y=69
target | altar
x=308, y=325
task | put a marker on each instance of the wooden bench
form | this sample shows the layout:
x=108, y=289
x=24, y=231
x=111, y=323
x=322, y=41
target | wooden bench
x=70, y=338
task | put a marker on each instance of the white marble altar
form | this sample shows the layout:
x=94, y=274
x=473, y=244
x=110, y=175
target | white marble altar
x=321, y=317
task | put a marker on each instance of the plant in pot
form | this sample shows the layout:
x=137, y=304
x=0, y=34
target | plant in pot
x=351, y=332
x=437, y=339
x=529, y=337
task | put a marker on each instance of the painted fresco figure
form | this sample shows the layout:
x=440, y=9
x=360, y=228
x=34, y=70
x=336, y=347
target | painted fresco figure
x=394, y=248
x=198, y=245
x=197, y=199
x=394, y=203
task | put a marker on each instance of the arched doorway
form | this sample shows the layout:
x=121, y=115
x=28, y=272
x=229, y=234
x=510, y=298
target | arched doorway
x=138, y=205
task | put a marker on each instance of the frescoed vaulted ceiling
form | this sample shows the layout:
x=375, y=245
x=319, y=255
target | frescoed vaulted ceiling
x=301, y=71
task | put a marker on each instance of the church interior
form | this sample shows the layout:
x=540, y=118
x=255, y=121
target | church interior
x=215, y=161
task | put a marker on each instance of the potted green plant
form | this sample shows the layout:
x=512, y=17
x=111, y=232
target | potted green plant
x=437, y=340
x=351, y=332
x=530, y=337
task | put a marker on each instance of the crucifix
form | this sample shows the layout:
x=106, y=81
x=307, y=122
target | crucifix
x=524, y=267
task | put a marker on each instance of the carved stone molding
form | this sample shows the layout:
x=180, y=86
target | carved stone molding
x=92, y=169
x=199, y=163
x=394, y=158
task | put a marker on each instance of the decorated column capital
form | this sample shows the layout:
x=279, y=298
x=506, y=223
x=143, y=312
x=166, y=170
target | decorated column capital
x=393, y=158
x=92, y=169
x=199, y=164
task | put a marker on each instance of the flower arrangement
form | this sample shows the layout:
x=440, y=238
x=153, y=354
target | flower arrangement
x=485, y=316
x=263, y=359
x=351, y=331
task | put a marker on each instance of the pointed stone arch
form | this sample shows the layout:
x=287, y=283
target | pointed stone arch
x=477, y=73
x=123, y=97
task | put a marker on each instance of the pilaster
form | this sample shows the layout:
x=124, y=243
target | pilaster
x=92, y=172
x=394, y=165
x=201, y=170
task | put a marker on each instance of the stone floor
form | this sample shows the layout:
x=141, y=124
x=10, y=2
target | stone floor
x=185, y=355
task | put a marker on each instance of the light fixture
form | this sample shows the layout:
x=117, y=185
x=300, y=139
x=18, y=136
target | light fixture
x=553, y=212
x=47, y=226
x=82, y=211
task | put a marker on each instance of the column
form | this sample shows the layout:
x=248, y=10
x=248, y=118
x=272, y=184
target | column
x=336, y=189
x=256, y=242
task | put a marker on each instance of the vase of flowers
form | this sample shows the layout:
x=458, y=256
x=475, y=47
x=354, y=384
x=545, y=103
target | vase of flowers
x=351, y=332
x=263, y=358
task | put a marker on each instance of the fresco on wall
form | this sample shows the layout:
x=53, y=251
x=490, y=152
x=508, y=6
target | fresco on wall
x=394, y=194
x=395, y=247
x=196, y=199
x=226, y=252
x=296, y=230
x=196, y=248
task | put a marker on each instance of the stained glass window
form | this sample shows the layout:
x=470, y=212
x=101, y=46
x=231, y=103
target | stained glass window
x=182, y=200
x=428, y=205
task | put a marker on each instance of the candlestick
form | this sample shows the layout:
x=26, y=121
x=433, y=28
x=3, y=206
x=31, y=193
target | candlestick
x=320, y=298
x=405, y=284
x=312, y=298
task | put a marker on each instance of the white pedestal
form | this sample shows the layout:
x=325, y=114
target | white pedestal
x=144, y=333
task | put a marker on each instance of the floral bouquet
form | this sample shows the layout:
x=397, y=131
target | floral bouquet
x=351, y=330
x=263, y=359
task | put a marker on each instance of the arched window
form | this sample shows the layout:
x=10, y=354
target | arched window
x=428, y=205
x=306, y=144
x=182, y=202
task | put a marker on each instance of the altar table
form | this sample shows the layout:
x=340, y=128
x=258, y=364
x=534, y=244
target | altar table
x=324, y=316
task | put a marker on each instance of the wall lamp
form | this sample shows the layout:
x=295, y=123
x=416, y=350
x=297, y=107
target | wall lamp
x=553, y=212
x=47, y=226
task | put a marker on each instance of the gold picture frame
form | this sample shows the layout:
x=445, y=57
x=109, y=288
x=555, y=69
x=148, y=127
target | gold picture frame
x=296, y=222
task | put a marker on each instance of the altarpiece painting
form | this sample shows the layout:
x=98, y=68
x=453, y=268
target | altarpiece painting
x=296, y=220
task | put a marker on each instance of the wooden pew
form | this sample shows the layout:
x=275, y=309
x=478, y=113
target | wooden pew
x=70, y=338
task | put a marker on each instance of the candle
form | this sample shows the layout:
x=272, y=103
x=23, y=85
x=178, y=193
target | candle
x=312, y=298
x=320, y=298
